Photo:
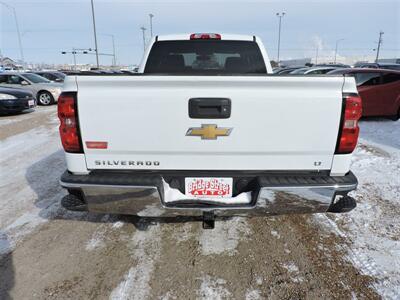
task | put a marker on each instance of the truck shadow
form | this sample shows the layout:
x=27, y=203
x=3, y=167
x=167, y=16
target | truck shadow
x=7, y=270
x=43, y=178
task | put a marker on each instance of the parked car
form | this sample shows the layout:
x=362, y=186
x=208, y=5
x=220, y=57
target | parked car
x=53, y=76
x=387, y=66
x=379, y=90
x=338, y=65
x=283, y=71
x=45, y=91
x=313, y=71
x=15, y=100
x=225, y=138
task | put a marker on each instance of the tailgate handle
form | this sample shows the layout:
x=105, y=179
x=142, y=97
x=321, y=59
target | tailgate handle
x=209, y=108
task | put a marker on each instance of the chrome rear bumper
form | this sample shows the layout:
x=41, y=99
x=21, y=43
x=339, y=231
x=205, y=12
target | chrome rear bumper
x=143, y=195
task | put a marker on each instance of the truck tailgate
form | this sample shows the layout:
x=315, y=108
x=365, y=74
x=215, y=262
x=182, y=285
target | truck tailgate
x=277, y=123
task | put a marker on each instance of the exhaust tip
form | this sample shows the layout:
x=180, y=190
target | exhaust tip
x=72, y=202
x=344, y=204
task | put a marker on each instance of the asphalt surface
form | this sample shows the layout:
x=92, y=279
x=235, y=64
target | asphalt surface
x=47, y=252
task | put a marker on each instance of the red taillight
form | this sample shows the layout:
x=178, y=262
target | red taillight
x=69, y=131
x=349, y=131
x=205, y=36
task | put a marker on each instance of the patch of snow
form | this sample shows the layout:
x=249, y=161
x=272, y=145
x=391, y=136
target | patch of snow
x=224, y=238
x=183, y=233
x=213, y=289
x=152, y=210
x=293, y=271
x=259, y=280
x=96, y=241
x=145, y=250
x=253, y=295
x=118, y=224
x=291, y=267
x=275, y=234
x=31, y=164
x=167, y=296
x=373, y=228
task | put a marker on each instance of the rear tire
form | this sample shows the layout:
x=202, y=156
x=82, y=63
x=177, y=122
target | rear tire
x=396, y=117
x=45, y=98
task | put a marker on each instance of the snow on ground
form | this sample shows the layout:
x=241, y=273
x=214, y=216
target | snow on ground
x=23, y=204
x=213, y=289
x=29, y=114
x=253, y=295
x=224, y=238
x=146, y=249
x=374, y=226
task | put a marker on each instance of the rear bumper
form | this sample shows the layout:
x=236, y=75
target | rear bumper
x=143, y=194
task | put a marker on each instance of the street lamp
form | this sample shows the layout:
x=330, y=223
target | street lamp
x=151, y=24
x=113, y=45
x=379, y=46
x=337, y=42
x=280, y=16
x=144, y=37
x=95, y=36
x=17, y=27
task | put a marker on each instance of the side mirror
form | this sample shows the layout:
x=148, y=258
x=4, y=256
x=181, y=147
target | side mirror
x=24, y=82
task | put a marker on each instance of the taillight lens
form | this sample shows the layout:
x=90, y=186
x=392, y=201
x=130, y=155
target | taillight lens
x=205, y=36
x=350, y=130
x=69, y=127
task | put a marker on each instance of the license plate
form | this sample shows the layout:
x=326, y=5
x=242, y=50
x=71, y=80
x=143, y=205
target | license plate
x=208, y=187
x=31, y=102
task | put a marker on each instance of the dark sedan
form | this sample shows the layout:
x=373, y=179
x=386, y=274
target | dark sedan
x=15, y=100
x=53, y=76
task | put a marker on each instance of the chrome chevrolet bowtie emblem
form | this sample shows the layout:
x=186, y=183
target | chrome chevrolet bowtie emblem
x=209, y=131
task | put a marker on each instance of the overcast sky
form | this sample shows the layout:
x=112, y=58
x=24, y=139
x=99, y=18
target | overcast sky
x=48, y=27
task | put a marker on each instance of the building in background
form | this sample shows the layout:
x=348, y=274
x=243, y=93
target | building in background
x=295, y=62
x=389, y=60
x=7, y=63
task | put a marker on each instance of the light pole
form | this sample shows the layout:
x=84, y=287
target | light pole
x=151, y=24
x=144, y=37
x=316, y=55
x=21, y=51
x=337, y=42
x=379, y=46
x=95, y=36
x=280, y=16
x=113, y=46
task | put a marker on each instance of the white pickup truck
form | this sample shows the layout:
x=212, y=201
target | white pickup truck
x=204, y=129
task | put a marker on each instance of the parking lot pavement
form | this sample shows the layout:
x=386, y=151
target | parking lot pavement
x=49, y=253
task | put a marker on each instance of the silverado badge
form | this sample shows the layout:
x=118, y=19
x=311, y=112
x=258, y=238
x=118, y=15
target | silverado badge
x=209, y=131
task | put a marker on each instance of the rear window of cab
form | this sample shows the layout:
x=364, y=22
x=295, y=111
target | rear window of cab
x=205, y=57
